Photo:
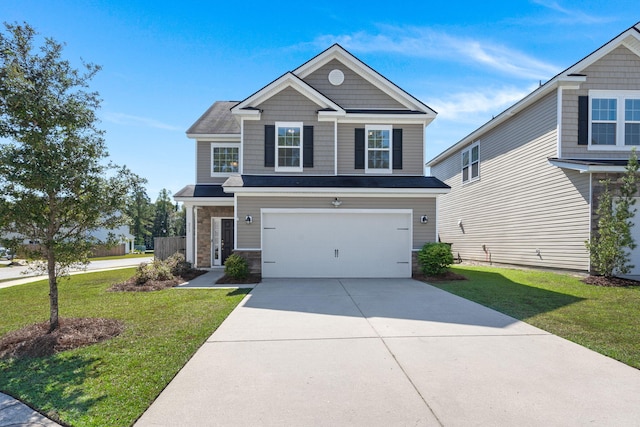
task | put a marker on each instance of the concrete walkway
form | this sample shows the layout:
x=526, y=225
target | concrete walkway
x=389, y=352
x=13, y=413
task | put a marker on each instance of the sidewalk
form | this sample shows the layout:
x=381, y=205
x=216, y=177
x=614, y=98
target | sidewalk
x=14, y=413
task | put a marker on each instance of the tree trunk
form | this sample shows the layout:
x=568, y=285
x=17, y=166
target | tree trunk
x=53, y=292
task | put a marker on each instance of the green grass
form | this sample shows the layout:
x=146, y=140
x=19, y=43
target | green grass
x=111, y=383
x=603, y=319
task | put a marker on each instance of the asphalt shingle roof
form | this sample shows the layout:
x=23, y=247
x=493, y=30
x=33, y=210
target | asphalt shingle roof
x=217, y=120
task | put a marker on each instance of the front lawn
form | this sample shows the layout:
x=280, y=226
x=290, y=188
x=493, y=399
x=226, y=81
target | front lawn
x=603, y=319
x=111, y=383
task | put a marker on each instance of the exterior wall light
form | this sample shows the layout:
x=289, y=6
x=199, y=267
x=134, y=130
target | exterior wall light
x=248, y=219
x=336, y=202
x=424, y=219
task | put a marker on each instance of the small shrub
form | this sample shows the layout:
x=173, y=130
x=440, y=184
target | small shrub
x=178, y=264
x=236, y=267
x=435, y=258
x=156, y=270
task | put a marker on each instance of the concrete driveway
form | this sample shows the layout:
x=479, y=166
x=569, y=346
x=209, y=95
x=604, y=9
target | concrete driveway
x=389, y=353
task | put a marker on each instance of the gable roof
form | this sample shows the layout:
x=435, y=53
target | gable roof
x=570, y=77
x=217, y=120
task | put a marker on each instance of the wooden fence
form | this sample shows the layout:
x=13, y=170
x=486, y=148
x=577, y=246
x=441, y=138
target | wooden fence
x=164, y=247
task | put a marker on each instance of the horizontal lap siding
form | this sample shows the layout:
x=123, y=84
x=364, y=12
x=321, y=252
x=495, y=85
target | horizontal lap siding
x=289, y=106
x=412, y=150
x=203, y=164
x=521, y=203
x=354, y=92
x=249, y=235
x=619, y=70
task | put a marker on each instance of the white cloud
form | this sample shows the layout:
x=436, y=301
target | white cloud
x=569, y=16
x=472, y=106
x=428, y=43
x=127, y=119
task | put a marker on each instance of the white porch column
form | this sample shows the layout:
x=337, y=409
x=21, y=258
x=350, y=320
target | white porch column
x=191, y=232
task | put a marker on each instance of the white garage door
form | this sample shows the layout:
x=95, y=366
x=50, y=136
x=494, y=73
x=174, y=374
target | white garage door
x=336, y=243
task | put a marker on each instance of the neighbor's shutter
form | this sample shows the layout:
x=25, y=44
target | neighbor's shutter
x=307, y=147
x=397, y=148
x=360, y=151
x=269, y=146
x=583, y=120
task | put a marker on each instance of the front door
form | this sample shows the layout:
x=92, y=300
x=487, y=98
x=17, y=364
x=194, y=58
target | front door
x=226, y=239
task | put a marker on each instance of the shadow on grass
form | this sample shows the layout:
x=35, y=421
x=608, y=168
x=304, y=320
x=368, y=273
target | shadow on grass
x=512, y=298
x=50, y=383
x=239, y=291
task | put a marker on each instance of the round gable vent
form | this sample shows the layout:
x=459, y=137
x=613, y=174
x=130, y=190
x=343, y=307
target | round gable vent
x=336, y=77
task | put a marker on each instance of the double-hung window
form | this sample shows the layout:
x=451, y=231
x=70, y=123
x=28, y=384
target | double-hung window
x=378, y=143
x=471, y=162
x=225, y=159
x=615, y=119
x=289, y=140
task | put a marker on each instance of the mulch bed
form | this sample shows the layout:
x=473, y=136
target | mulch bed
x=251, y=279
x=610, y=282
x=153, y=285
x=34, y=341
x=449, y=276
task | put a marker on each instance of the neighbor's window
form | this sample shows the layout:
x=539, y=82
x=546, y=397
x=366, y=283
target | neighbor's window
x=615, y=118
x=224, y=159
x=471, y=162
x=289, y=147
x=378, y=144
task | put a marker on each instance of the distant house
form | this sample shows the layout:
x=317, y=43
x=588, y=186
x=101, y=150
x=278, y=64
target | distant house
x=524, y=185
x=318, y=174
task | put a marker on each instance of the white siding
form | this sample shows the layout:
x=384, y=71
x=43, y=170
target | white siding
x=521, y=203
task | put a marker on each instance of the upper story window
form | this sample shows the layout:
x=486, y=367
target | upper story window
x=379, y=143
x=289, y=140
x=225, y=159
x=471, y=162
x=615, y=119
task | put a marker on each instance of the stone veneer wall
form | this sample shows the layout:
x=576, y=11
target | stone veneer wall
x=254, y=258
x=205, y=213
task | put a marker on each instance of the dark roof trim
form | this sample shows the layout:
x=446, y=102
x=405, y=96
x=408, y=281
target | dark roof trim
x=342, y=181
x=372, y=111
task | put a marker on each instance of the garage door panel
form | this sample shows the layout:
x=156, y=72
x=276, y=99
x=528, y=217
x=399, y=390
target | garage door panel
x=336, y=244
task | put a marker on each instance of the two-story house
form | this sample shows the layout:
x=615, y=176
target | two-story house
x=318, y=174
x=524, y=186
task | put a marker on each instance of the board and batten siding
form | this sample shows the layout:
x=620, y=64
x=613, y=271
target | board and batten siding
x=522, y=210
x=618, y=70
x=412, y=149
x=203, y=163
x=289, y=106
x=355, y=92
x=248, y=235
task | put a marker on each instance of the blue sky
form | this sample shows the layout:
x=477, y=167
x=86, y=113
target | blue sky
x=164, y=63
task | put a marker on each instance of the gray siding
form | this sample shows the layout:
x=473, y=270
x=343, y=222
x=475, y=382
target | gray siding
x=288, y=106
x=412, y=150
x=203, y=163
x=249, y=235
x=619, y=70
x=354, y=92
x=520, y=203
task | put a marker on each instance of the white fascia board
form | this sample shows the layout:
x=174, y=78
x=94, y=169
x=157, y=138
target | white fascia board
x=372, y=76
x=588, y=168
x=626, y=38
x=205, y=201
x=214, y=136
x=328, y=191
x=281, y=83
x=386, y=118
x=250, y=114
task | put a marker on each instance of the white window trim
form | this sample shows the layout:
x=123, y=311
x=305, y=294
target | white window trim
x=215, y=145
x=469, y=148
x=279, y=168
x=620, y=96
x=367, y=128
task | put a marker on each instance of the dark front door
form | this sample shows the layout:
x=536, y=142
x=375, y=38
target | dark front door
x=226, y=243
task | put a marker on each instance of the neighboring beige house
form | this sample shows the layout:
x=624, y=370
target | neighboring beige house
x=318, y=174
x=524, y=185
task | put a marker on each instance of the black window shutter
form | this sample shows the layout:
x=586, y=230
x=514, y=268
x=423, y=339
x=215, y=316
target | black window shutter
x=397, y=148
x=583, y=120
x=360, y=152
x=307, y=147
x=269, y=146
